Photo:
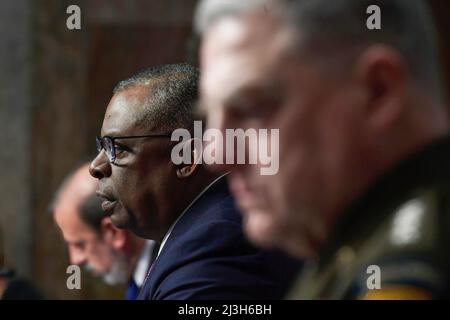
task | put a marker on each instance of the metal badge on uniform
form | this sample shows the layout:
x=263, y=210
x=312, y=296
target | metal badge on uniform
x=407, y=224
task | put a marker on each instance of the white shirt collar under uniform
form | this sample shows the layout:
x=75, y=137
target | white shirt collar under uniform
x=144, y=262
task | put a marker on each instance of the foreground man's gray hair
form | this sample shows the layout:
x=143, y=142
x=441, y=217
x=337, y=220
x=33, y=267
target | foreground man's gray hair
x=407, y=26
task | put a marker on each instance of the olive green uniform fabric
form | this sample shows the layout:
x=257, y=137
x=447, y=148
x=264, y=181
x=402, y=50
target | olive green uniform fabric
x=398, y=232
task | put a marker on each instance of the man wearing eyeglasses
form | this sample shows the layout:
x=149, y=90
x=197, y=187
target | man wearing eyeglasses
x=203, y=252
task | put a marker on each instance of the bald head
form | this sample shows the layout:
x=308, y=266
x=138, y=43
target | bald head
x=77, y=185
x=76, y=197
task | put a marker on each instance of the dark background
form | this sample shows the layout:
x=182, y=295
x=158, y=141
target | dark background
x=54, y=87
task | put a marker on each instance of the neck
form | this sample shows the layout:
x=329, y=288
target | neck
x=133, y=250
x=188, y=191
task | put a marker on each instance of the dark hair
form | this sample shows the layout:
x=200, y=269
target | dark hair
x=172, y=95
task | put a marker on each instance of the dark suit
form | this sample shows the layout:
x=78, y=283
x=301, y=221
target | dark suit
x=208, y=257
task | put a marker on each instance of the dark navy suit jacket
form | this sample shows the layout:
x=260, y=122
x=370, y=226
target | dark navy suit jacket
x=208, y=257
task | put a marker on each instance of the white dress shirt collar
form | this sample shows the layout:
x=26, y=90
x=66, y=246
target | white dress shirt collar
x=185, y=210
x=144, y=262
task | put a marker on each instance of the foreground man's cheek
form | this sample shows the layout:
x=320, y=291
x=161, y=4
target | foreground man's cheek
x=260, y=227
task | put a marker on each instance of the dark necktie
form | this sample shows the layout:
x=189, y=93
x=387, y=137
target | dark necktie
x=132, y=290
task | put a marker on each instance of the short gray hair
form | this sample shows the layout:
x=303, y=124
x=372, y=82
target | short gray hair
x=171, y=97
x=209, y=11
x=407, y=26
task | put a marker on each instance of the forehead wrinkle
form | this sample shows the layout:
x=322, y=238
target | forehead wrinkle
x=124, y=111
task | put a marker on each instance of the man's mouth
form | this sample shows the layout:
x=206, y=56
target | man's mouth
x=109, y=203
x=108, y=206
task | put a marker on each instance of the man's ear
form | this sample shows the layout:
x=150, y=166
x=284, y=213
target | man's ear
x=383, y=73
x=186, y=170
x=111, y=235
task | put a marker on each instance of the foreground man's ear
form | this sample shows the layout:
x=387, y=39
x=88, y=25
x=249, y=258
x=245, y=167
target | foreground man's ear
x=186, y=170
x=383, y=72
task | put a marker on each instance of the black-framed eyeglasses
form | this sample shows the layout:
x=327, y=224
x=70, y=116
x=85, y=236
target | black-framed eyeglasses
x=107, y=143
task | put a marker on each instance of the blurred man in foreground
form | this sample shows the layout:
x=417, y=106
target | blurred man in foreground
x=364, y=179
x=118, y=256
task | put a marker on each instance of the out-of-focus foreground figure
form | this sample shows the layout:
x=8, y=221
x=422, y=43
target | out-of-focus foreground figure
x=118, y=256
x=363, y=187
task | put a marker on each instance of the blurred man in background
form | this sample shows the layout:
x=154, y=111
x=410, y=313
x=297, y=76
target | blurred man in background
x=203, y=253
x=12, y=287
x=118, y=256
x=364, y=178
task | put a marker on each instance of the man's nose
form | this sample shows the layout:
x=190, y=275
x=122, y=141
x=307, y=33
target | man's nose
x=100, y=166
x=77, y=257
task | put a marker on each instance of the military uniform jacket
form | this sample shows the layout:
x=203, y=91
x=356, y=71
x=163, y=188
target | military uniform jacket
x=394, y=241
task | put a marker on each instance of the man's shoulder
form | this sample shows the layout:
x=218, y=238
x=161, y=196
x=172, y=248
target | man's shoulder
x=408, y=249
x=217, y=204
x=214, y=260
x=412, y=224
x=207, y=256
x=205, y=235
x=211, y=227
x=400, y=253
x=214, y=207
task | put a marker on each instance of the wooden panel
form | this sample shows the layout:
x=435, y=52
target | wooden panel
x=74, y=73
